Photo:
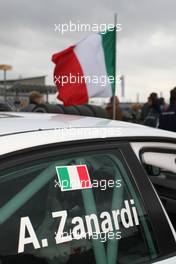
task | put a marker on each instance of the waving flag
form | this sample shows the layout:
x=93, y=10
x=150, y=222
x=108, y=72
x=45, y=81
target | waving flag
x=87, y=69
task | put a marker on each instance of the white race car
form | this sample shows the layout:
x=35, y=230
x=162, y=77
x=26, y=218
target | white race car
x=77, y=189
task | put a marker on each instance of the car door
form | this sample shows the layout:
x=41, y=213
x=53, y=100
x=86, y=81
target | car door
x=83, y=202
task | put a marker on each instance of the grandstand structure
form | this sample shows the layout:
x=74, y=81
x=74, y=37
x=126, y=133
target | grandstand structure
x=21, y=87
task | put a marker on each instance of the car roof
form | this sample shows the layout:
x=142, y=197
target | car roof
x=18, y=123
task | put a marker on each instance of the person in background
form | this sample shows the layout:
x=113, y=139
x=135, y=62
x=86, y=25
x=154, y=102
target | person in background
x=136, y=113
x=172, y=105
x=23, y=103
x=4, y=107
x=35, y=103
x=167, y=119
x=109, y=109
x=17, y=103
x=152, y=116
x=162, y=104
x=147, y=106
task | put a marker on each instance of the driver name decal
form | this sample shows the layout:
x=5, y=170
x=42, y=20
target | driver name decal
x=90, y=226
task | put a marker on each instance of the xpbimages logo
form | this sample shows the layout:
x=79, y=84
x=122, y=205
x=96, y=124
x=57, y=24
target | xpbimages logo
x=76, y=177
x=102, y=80
x=85, y=27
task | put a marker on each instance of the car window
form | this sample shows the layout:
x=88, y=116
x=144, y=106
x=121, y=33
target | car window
x=74, y=208
x=160, y=165
x=165, y=161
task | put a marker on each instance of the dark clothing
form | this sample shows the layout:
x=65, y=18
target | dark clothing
x=4, y=107
x=152, y=119
x=31, y=107
x=144, y=111
x=168, y=121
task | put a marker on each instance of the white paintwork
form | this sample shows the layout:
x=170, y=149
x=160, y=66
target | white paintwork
x=162, y=160
x=20, y=122
x=51, y=128
x=139, y=145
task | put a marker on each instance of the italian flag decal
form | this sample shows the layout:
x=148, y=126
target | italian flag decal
x=94, y=56
x=74, y=177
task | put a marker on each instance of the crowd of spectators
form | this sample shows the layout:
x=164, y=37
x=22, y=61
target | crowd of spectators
x=154, y=113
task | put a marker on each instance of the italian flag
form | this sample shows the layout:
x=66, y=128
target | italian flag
x=90, y=61
x=74, y=177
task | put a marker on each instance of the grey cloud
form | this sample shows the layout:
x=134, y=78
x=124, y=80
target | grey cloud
x=27, y=37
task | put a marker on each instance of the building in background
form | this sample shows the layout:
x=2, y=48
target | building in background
x=20, y=88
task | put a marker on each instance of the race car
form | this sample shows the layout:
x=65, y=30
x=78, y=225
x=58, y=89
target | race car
x=77, y=189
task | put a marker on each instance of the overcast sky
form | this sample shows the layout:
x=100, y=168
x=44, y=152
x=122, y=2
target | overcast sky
x=146, y=52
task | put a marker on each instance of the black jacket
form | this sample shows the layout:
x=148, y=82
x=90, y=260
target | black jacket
x=167, y=120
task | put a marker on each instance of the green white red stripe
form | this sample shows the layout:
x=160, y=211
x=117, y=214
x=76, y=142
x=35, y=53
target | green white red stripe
x=74, y=177
x=93, y=56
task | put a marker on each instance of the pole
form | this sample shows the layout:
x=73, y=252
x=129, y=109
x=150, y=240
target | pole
x=122, y=85
x=114, y=97
x=5, y=68
x=5, y=86
x=137, y=97
x=47, y=95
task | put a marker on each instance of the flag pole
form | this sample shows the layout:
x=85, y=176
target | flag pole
x=114, y=98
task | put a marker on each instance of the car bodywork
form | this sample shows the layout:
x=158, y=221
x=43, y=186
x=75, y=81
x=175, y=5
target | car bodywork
x=22, y=133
